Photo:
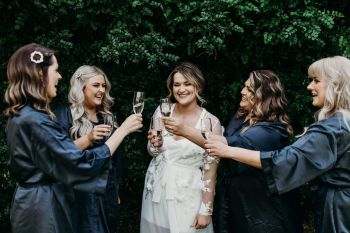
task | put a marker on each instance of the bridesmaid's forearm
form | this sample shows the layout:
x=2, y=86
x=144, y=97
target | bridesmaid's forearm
x=194, y=135
x=250, y=157
x=116, y=139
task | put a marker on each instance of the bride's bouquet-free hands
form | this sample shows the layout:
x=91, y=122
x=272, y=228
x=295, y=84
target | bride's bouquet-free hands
x=173, y=126
x=155, y=133
x=201, y=221
x=154, y=138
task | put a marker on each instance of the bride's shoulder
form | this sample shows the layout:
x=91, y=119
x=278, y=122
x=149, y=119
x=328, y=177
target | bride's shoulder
x=209, y=115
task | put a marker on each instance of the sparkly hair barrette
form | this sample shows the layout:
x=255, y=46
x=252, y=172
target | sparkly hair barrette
x=77, y=74
x=37, y=57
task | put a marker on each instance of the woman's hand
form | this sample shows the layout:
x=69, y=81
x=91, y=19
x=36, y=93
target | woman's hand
x=220, y=149
x=156, y=141
x=201, y=221
x=132, y=123
x=173, y=126
x=98, y=132
x=216, y=146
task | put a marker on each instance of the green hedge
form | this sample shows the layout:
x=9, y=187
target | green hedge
x=138, y=42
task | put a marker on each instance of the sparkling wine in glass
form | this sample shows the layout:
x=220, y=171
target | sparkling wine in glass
x=165, y=107
x=206, y=127
x=165, y=110
x=138, y=102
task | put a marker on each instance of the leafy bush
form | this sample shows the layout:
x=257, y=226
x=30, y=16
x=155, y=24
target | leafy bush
x=138, y=42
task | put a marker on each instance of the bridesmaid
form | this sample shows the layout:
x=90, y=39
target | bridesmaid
x=84, y=121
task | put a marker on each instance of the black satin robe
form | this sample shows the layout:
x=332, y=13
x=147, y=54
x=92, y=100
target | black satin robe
x=95, y=213
x=44, y=161
x=322, y=153
x=244, y=204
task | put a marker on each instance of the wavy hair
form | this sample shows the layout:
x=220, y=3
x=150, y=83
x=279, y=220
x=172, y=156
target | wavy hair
x=336, y=71
x=28, y=80
x=81, y=124
x=268, y=100
x=192, y=73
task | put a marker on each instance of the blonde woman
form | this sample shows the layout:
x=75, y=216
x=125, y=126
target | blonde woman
x=84, y=120
x=321, y=154
x=180, y=181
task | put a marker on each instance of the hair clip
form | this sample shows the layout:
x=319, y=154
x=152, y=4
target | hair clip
x=77, y=74
x=37, y=57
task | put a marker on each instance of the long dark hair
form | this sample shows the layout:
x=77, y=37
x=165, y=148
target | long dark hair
x=27, y=77
x=269, y=102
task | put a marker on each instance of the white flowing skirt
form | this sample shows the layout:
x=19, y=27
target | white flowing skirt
x=175, y=206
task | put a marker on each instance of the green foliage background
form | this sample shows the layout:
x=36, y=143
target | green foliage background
x=138, y=42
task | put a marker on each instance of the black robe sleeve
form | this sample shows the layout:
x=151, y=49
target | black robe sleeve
x=312, y=155
x=57, y=155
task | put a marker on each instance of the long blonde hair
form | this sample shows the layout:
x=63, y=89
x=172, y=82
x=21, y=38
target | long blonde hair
x=28, y=79
x=81, y=124
x=336, y=70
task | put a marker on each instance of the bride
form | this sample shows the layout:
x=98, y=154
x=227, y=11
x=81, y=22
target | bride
x=180, y=181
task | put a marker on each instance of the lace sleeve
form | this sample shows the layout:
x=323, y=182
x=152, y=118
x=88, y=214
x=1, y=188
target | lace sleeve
x=210, y=164
x=151, y=150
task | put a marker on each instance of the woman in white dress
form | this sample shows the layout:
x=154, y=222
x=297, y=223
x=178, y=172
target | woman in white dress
x=180, y=181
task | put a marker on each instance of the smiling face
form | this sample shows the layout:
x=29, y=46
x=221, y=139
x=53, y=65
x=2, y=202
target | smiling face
x=247, y=95
x=94, y=91
x=53, y=78
x=318, y=88
x=184, y=91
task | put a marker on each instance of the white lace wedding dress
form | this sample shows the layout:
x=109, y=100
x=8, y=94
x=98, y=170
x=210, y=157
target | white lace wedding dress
x=179, y=184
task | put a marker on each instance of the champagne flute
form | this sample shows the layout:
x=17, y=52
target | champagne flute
x=165, y=109
x=156, y=128
x=206, y=127
x=138, y=102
